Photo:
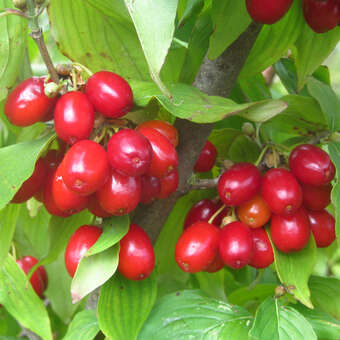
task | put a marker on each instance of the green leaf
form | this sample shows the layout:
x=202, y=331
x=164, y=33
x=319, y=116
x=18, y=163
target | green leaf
x=8, y=325
x=212, y=284
x=274, y=321
x=19, y=165
x=191, y=314
x=243, y=149
x=93, y=271
x=187, y=9
x=20, y=300
x=84, y=326
x=230, y=19
x=285, y=69
x=294, y=269
x=124, y=305
x=255, y=88
x=326, y=294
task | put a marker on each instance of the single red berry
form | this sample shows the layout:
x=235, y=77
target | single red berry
x=239, y=184
x=216, y=265
x=73, y=117
x=281, y=191
x=316, y=197
x=263, y=250
x=28, y=104
x=120, y=194
x=136, y=255
x=268, y=11
x=110, y=94
x=38, y=279
x=80, y=242
x=164, y=158
x=169, y=184
x=236, y=245
x=290, y=233
x=311, y=165
x=322, y=224
x=150, y=188
x=321, y=15
x=53, y=158
x=95, y=208
x=197, y=247
x=207, y=158
x=129, y=152
x=165, y=128
x=85, y=167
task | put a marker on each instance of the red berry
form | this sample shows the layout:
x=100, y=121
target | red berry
x=281, y=191
x=85, y=167
x=216, y=265
x=120, y=194
x=136, y=256
x=110, y=94
x=150, y=188
x=207, y=158
x=197, y=247
x=311, y=165
x=169, y=184
x=73, y=117
x=239, y=184
x=95, y=208
x=165, y=157
x=321, y=15
x=53, y=158
x=263, y=250
x=268, y=11
x=38, y=279
x=316, y=198
x=129, y=152
x=322, y=224
x=28, y=104
x=290, y=233
x=80, y=242
x=165, y=128
x=236, y=245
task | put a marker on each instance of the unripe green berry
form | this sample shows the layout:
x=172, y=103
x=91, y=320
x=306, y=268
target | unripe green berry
x=51, y=90
x=20, y=4
x=248, y=129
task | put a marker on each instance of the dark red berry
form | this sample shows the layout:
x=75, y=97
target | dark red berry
x=290, y=233
x=95, y=208
x=110, y=94
x=239, y=184
x=150, y=188
x=136, y=256
x=129, y=152
x=85, y=167
x=73, y=117
x=80, y=242
x=169, y=184
x=216, y=265
x=311, y=165
x=263, y=250
x=197, y=247
x=207, y=158
x=53, y=158
x=236, y=245
x=281, y=191
x=322, y=224
x=316, y=198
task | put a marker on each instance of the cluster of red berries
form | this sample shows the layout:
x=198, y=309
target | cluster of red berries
x=320, y=15
x=293, y=201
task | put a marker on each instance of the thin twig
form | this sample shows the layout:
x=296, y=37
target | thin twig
x=210, y=183
x=11, y=11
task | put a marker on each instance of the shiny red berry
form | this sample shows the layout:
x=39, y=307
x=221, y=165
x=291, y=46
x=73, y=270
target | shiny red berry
x=38, y=279
x=236, y=245
x=120, y=194
x=263, y=250
x=129, y=152
x=207, y=158
x=95, y=208
x=110, y=94
x=80, y=242
x=311, y=165
x=239, y=184
x=136, y=256
x=216, y=265
x=73, y=117
x=322, y=224
x=150, y=188
x=85, y=167
x=281, y=191
x=197, y=247
x=28, y=104
x=290, y=233
x=316, y=197
x=169, y=184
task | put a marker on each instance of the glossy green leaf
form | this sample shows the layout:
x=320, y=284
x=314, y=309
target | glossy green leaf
x=124, y=305
x=84, y=326
x=20, y=300
x=274, y=321
x=19, y=165
x=255, y=88
x=212, y=284
x=188, y=9
x=243, y=149
x=191, y=314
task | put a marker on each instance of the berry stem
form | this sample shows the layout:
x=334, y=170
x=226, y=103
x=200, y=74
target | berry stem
x=83, y=68
x=217, y=213
x=263, y=152
x=257, y=280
